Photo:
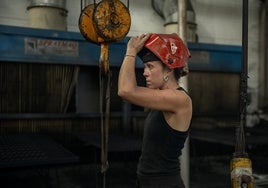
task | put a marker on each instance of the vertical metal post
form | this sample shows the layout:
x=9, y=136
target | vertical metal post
x=262, y=51
x=182, y=21
x=182, y=31
x=265, y=94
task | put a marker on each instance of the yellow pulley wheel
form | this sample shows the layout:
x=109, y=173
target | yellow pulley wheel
x=86, y=26
x=112, y=20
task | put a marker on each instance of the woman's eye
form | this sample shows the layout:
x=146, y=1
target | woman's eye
x=150, y=67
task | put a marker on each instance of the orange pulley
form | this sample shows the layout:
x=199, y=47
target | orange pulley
x=103, y=23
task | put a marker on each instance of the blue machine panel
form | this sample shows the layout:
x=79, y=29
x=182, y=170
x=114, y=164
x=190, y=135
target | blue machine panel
x=212, y=57
x=20, y=44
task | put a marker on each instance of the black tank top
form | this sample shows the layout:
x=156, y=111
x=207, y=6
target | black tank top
x=161, y=147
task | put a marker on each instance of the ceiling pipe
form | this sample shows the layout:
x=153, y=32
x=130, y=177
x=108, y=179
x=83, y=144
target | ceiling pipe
x=182, y=20
x=47, y=3
x=47, y=14
x=168, y=10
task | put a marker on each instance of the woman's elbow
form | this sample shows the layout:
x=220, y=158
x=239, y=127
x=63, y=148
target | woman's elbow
x=119, y=93
x=122, y=93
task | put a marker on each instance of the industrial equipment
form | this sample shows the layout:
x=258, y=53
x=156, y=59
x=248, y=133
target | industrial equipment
x=103, y=23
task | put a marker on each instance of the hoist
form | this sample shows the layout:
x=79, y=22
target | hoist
x=103, y=23
x=241, y=166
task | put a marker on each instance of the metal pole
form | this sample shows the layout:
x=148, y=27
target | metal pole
x=182, y=19
x=182, y=31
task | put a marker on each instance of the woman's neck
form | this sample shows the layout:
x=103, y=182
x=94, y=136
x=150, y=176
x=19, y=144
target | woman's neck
x=170, y=85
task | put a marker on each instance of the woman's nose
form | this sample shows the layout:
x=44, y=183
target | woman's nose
x=145, y=73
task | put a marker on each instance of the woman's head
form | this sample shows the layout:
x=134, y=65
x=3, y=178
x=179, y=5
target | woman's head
x=156, y=73
x=165, y=59
x=169, y=49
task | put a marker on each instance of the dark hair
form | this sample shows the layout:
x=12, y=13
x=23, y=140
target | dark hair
x=146, y=55
x=178, y=72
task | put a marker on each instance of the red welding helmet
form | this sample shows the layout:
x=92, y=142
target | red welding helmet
x=169, y=48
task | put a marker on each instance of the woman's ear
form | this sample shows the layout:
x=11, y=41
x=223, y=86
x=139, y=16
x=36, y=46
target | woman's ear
x=169, y=70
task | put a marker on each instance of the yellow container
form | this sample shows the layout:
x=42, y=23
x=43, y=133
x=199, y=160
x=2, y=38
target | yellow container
x=241, y=173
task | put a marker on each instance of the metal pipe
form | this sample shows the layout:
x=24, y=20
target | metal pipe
x=263, y=91
x=182, y=21
x=261, y=70
x=47, y=3
x=266, y=57
x=168, y=10
x=48, y=14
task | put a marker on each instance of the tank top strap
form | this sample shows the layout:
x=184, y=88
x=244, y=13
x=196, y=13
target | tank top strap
x=182, y=89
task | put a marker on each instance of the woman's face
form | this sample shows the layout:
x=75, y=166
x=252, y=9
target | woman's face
x=153, y=73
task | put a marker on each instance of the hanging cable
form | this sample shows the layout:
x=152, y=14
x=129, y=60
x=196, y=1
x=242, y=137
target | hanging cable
x=240, y=138
x=105, y=121
x=241, y=166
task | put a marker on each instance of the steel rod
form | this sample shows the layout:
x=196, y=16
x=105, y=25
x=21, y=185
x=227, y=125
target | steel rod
x=240, y=138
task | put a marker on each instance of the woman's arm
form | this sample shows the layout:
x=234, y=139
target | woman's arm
x=127, y=83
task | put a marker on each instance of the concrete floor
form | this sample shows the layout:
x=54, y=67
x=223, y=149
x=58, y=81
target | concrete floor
x=206, y=172
x=209, y=168
x=119, y=175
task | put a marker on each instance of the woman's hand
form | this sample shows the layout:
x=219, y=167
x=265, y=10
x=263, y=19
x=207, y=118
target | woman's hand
x=135, y=44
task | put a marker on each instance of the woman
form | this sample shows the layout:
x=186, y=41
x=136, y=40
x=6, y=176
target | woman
x=167, y=125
